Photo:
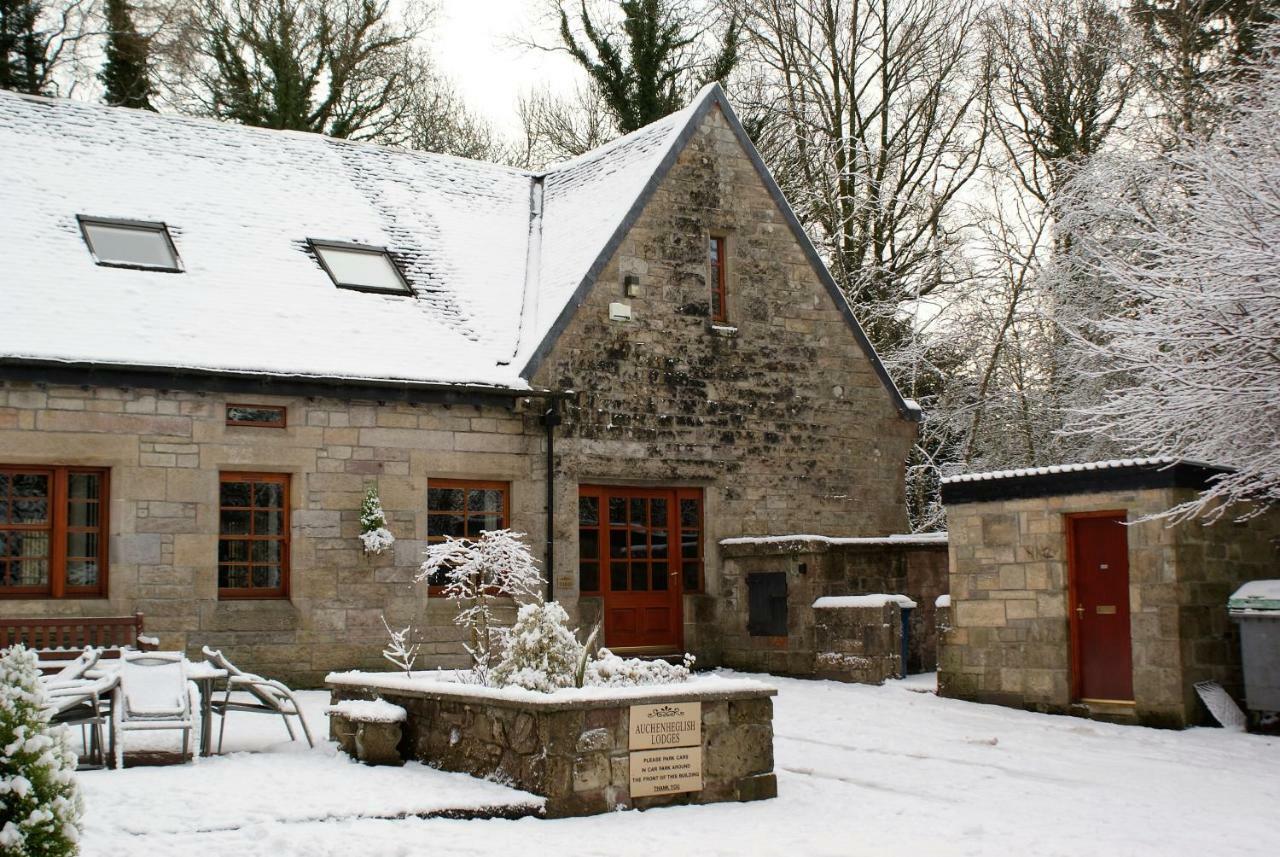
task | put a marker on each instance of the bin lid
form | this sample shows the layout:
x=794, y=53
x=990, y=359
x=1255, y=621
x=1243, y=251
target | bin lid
x=1256, y=596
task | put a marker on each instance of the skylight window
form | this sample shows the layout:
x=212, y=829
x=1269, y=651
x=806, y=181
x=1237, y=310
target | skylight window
x=130, y=244
x=359, y=267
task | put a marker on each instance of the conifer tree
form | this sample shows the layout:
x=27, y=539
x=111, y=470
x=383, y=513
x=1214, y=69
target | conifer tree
x=126, y=73
x=23, y=47
x=40, y=804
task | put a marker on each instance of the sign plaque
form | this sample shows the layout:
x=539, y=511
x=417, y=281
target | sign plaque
x=664, y=772
x=666, y=748
x=668, y=724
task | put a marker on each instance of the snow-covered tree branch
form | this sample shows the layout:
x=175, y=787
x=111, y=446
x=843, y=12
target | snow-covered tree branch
x=1185, y=247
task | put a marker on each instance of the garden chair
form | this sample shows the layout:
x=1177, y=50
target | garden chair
x=85, y=703
x=74, y=670
x=267, y=696
x=154, y=694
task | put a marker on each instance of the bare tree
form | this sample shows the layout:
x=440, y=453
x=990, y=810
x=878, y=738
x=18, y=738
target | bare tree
x=1189, y=243
x=1192, y=49
x=1059, y=90
x=557, y=127
x=879, y=102
x=337, y=67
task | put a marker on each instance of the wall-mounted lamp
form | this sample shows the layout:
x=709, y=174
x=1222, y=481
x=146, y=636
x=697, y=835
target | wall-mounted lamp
x=631, y=285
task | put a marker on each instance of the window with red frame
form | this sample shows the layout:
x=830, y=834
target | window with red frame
x=253, y=535
x=716, y=262
x=464, y=508
x=53, y=532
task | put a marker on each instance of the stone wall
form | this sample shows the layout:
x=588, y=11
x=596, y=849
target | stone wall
x=165, y=451
x=576, y=753
x=824, y=567
x=782, y=421
x=780, y=417
x=858, y=644
x=1009, y=637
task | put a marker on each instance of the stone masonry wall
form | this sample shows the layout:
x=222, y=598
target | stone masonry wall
x=780, y=417
x=815, y=569
x=1009, y=636
x=165, y=451
x=858, y=644
x=576, y=753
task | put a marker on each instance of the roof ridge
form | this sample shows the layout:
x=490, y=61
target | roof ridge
x=153, y=115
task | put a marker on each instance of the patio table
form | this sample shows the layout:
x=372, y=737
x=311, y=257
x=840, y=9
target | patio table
x=203, y=674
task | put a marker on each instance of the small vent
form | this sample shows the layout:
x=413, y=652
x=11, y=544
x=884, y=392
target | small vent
x=767, y=604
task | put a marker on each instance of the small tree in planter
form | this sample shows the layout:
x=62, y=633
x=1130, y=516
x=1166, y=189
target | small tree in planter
x=541, y=653
x=478, y=572
x=40, y=803
x=373, y=524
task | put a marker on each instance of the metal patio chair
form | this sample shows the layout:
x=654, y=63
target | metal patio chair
x=86, y=703
x=268, y=696
x=154, y=694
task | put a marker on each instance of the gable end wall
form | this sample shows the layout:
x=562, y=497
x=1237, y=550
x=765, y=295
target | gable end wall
x=784, y=421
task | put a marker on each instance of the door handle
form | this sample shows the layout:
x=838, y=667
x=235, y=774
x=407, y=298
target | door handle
x=1080, y=611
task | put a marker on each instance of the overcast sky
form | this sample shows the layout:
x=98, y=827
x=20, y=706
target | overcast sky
x=472, y=42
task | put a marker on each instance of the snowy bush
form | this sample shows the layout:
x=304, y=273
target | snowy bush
x=541, y=652
x=609, y=670
x=478, y=574
x=40, y=803
x=373, y=524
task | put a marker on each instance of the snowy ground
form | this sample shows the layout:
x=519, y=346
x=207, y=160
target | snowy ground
x=861, y=770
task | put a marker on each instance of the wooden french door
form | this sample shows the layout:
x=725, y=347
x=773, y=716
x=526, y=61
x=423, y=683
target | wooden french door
x=626, y=539
x=1099, y=568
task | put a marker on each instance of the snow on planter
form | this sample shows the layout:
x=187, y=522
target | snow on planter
x=591, y=749
x=368, y=710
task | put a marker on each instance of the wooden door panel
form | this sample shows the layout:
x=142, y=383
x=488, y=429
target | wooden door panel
x=1100, y=576
x=640, y=585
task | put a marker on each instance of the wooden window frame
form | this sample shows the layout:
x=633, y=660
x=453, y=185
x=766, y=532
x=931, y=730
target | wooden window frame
x=285, y=538
x=718, y=278
x=283, y=422
x=464, y=485
x=602, y=493
x=58, y=528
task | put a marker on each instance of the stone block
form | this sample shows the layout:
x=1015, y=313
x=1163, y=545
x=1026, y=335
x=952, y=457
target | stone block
x=978, y=613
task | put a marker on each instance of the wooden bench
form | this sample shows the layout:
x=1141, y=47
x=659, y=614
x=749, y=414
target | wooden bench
x=63, y=639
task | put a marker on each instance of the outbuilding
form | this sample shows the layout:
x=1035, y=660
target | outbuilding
x=1067, y=597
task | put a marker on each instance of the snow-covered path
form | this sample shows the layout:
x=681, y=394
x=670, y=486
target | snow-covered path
x=861, y=770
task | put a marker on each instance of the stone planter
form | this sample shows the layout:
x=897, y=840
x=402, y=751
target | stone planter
x=576, y=748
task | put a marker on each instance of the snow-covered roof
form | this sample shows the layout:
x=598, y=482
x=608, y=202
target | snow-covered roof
x=497, y=258
x=241, y=204
x=1113, y=464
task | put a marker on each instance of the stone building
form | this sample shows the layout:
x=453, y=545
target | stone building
x=216, y=338
x=1064, y=599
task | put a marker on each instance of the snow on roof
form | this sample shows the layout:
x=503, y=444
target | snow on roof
x=1063, y=468
x=241, y=204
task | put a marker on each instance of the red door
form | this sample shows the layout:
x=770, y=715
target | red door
x=1100, y=612
x=638, y=574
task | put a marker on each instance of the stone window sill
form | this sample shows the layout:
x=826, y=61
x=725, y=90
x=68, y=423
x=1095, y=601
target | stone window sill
x=727, y=331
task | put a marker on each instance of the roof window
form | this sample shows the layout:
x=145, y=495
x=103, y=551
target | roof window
x=130, y=244
x=360, y=267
